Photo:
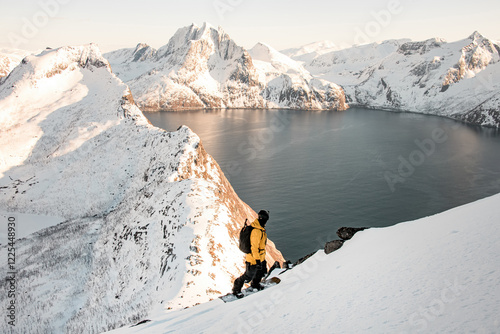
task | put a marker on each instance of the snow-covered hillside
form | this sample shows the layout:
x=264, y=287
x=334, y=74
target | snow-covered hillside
x=308, y=52
x=10, y=58
x=289, y=84
x=150, y=221
x=202, y=67
x=438, y=274
x=131, y=63
x=459, y=80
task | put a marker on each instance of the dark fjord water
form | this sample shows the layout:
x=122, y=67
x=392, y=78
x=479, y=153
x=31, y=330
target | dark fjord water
x=318, y=171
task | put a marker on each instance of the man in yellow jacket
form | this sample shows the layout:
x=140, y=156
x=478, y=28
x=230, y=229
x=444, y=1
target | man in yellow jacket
x=256, y=265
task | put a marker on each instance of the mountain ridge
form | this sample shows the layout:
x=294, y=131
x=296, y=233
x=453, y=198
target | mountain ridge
x=451, y=79
x=150, y=221
x=202, y=67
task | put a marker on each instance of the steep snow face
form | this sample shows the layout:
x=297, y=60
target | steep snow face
x=459, y=79
x=202, y=67
x=150, y=220
x=438, y=274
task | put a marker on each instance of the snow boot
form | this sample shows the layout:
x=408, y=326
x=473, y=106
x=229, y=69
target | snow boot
x=238, y=295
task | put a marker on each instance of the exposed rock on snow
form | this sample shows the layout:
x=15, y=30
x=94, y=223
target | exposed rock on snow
x=333, y=245
x=151, y=221
x=202, y=67
x=346, y=233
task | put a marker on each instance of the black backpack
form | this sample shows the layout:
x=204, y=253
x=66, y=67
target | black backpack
x=245, y=244
x=245, y=233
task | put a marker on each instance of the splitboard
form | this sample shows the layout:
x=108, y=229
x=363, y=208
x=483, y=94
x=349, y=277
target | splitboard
x=250, y=291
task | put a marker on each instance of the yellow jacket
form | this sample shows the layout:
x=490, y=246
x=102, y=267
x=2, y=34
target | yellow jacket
x=258, y=241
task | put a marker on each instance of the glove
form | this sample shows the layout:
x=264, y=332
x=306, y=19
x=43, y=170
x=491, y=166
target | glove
x=258, y=264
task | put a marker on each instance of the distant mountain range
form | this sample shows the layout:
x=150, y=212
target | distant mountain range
x=202, y=67
x=460, y=80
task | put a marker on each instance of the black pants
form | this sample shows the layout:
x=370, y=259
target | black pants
x=252, y=274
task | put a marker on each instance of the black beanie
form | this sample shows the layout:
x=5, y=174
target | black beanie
x=263, y=217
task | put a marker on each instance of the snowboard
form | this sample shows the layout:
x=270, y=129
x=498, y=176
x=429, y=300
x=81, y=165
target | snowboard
x=250, y=291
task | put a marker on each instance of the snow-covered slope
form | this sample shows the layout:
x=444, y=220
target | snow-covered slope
x=202, y=67
x=459, y=80
x=308, y=52
x=289, y=84
x=132, y=62
x=344, y=66
x=150, y=220
x=438, y=274
x=10, y=58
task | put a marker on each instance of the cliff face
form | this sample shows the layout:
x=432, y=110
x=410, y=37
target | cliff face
x=151, y=223
x=202, y=67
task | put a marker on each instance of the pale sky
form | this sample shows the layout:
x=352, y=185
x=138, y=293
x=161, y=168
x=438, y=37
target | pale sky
x=114, y=24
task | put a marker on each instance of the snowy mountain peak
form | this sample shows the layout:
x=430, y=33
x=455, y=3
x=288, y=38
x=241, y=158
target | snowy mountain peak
x=264, y=52
x=51, y=62
x=143, y=52
x=184, y=37
x=207, y=28
x=202, y=67
x=476, y=36
x=281, y=62
x=204, y=31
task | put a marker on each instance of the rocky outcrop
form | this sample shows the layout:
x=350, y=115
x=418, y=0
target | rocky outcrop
x=346, y=233
x=332, y=246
